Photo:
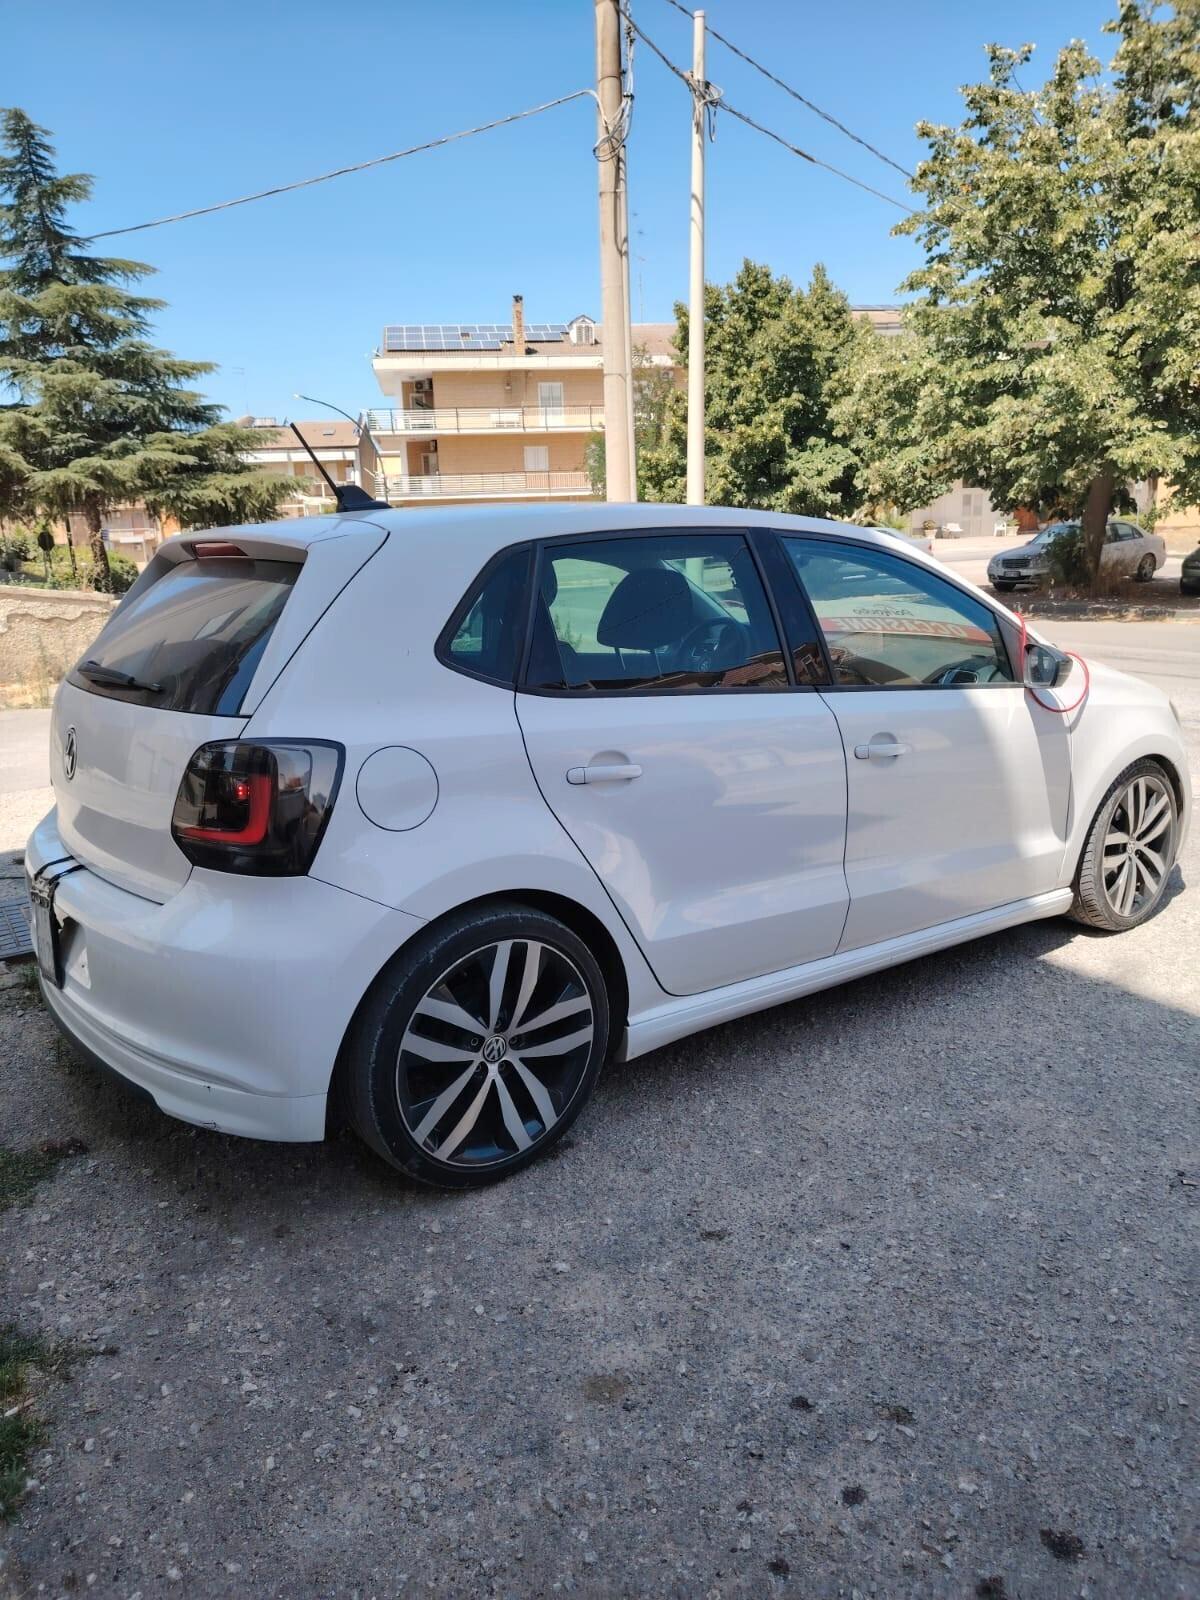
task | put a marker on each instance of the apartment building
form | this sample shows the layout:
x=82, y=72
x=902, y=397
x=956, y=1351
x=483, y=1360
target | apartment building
x=488, y=411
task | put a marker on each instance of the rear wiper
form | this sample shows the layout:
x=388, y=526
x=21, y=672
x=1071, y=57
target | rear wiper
x=115, y=678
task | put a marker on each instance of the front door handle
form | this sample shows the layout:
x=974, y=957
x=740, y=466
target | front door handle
x=881, y=748
x=604, y=772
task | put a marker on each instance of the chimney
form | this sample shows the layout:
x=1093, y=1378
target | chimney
x=518, y=315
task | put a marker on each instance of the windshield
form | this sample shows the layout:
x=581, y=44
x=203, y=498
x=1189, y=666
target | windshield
x=191, y=641
x=1048, y=535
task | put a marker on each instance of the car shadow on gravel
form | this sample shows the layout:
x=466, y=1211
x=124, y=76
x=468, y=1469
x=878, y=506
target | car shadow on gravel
x=240, y=1180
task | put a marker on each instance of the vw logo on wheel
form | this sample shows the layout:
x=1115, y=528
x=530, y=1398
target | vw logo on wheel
x=494, y=1050
x=70, y=753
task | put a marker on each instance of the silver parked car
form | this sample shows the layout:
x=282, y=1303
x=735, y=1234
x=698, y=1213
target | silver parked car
x=1128, y=549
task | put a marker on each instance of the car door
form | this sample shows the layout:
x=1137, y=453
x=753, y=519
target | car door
x=701, y=781
x=958, y=782
x=1119, y=552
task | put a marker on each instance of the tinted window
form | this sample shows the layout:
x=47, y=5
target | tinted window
x=891, y=624
x=665, y=612
x=194, y=638
x=485, y=638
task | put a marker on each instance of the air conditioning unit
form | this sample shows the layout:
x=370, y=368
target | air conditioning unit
x=422, y=385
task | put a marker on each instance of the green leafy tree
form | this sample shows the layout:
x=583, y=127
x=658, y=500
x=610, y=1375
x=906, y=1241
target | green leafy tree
x=652, y=390
x=1057, y=319
x=96, y=416
x=772, y=356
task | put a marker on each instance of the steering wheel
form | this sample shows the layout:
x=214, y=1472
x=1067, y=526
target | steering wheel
x=711, y=647
x=972, y=669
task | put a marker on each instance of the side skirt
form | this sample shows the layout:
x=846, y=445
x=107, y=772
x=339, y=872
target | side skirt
x=676, y=1018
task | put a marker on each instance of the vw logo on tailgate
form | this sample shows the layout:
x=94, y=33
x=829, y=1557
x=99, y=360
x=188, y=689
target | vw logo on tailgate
x=70, y=753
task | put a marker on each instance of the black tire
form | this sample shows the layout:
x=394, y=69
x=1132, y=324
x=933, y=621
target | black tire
x=1145, y=569
x=386, y=1084
x=1094, y=893
x=1188, y=588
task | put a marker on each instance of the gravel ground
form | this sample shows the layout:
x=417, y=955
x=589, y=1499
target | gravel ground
x=886, y=1292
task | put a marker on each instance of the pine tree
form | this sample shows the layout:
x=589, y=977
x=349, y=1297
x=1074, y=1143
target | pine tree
x=97, y=416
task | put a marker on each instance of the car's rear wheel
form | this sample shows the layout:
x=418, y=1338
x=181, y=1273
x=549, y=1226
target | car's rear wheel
x=478, y=1047
x=1130, y=850
x=1145, y=569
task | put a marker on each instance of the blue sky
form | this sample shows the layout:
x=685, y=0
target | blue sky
x=177, y=106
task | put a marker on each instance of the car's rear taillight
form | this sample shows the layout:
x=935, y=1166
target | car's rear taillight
x=256, y=808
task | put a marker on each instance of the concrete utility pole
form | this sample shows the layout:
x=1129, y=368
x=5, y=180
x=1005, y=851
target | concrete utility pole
x=631, y=386
x=614, y=307
x=695, y=410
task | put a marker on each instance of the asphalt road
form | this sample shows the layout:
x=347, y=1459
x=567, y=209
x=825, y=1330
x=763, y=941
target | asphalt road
x=25, y=794
x=888, y=1292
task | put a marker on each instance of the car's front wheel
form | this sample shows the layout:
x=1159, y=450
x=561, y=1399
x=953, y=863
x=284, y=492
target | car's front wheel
x=1130, y=850
x=477, y=1047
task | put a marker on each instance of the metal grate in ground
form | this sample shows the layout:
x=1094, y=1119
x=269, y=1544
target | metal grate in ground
x=15, y=936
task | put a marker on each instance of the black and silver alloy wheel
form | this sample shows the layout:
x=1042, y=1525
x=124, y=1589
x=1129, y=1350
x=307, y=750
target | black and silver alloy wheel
x=1130, y=850
x=477, y=1046
x=495, y=1053
x=1137, y=845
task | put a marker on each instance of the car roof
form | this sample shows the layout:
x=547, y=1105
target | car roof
x=474, y=532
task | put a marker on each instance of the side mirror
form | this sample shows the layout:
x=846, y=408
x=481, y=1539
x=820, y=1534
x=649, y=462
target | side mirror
x=1045, y=668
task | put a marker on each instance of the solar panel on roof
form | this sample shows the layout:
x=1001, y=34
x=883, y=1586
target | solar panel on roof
x=465, y=335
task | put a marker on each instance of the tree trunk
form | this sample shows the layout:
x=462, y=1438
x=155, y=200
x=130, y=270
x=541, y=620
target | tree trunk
x=101, y=576
x=1095, y=521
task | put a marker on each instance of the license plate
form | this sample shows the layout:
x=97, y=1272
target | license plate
x=46, y=941
x=45, y=932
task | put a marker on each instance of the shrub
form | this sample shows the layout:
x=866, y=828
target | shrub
x=1067, y=559
x=15, y=546
x=122, y=575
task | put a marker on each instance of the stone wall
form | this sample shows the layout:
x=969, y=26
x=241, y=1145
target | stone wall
x=43, y=632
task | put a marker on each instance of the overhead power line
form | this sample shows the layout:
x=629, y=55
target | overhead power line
x=358, y=166
x=723, y=104
x=795, y=93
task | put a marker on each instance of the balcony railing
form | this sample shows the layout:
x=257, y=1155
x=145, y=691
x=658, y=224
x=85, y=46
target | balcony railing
x=488, y=419
x=483, y=485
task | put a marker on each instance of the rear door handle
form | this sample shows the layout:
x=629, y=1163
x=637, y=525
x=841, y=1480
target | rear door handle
x=604, y=772
x=881, y=750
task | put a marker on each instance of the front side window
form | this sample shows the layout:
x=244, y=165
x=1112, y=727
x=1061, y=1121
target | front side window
x=484, y=636
x=890, y=624
x=664, y=612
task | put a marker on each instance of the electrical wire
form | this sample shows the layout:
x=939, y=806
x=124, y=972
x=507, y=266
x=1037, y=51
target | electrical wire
x=795, y=93
x=694, y=89
x=358, y=166
x=616, y=135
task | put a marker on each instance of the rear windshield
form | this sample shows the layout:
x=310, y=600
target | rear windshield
x=193, y=639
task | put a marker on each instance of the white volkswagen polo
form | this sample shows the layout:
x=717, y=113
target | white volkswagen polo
x=413, y=818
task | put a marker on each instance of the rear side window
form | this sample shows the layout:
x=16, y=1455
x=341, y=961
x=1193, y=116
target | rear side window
x=484, y=636
x=192, y=640
x=668, y=612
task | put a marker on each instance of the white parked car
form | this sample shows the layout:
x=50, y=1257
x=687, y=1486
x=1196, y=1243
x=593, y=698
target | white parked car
x=1127, y=549
x=416, y=817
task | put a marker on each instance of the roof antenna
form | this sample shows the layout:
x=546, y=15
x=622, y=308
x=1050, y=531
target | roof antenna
x=346, y=496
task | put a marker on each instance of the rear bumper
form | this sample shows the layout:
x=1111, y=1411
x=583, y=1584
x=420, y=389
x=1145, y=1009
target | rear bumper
x=227, y=1004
